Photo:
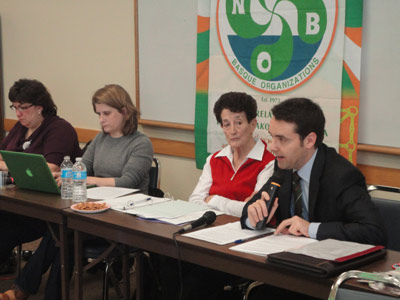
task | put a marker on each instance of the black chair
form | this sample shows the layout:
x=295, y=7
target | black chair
x=390, y=211
x=98, y=250
x=154, y=176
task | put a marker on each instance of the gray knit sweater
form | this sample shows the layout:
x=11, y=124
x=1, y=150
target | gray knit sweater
x=127, y=159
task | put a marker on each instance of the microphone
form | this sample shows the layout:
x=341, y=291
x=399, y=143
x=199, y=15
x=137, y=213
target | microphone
x=207, y=219
x=272, y=189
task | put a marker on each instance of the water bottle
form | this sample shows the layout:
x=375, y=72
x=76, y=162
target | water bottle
x=79, y=181
x=66, y=178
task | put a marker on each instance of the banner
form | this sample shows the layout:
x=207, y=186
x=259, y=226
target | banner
x=275, y=50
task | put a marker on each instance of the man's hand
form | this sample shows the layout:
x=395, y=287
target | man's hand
x=258, y=210
x=295, y=225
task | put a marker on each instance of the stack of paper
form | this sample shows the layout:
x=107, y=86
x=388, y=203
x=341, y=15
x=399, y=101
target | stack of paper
x=228, y=233
x=331, y=249
x=162, y=209
x=273, y=244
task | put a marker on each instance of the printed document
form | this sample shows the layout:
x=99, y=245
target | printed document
x=163, y=209
x=273, y=244
x=331, y=249
x=189, y=217
x=227, y=233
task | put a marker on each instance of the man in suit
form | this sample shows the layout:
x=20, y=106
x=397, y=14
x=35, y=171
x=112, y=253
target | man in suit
x=333, y=201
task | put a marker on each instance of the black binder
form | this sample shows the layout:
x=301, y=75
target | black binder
x=321, y=267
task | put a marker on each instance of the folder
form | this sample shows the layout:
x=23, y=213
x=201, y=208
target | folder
x=322, y=267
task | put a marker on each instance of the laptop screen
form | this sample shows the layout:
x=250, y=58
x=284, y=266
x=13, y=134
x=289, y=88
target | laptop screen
x=30, y=171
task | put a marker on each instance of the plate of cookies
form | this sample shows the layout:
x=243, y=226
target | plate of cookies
x=90, y=207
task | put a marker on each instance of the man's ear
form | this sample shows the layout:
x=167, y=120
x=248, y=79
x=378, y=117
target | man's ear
x=310, y=140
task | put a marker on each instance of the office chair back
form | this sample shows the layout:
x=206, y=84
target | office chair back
x=390, y=211
x=154, y=179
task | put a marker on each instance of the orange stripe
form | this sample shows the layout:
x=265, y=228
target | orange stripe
x=203, y=24
x=355, y=34
x=202, y=73
x=353, y=78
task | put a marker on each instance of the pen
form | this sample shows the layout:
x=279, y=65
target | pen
x=242, y=240
x=132, y=203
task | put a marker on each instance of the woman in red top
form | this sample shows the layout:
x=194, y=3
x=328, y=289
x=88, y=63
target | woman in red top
x=231, y=175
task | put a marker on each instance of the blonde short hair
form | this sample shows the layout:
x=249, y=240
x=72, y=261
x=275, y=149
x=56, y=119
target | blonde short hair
x=117, y=97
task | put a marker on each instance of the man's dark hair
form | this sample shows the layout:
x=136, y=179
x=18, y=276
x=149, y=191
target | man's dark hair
x=305, y=114
x=236, y=102
x=34, y=92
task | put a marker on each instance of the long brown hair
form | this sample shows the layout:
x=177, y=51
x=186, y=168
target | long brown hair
x=116, y=96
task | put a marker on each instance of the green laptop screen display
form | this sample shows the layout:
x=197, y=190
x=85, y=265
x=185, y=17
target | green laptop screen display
x=30, y=171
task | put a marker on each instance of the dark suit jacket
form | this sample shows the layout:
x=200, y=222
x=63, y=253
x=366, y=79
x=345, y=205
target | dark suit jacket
x=338, y=199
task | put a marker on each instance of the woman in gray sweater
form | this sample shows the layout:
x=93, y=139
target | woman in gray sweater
x=120, y=155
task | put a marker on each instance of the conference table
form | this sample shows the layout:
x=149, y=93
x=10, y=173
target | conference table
x=157, y=237
x=46, y=207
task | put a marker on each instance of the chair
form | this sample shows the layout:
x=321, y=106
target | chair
x=391, y=277
x=154, y=179
x=99, y=250
x=390, y=210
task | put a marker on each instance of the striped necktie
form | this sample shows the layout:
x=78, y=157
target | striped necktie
x=298, y=202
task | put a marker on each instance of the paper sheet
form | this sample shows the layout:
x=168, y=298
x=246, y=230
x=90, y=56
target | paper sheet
x=331, y=249
x=273, y=244
x=170, y=209
x=225, y=234
x=108, y=192
x=189, y=217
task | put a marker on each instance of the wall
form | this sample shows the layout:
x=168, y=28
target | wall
x=75, y=47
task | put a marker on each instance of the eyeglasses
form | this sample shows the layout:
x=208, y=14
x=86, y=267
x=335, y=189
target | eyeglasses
x=20, y=108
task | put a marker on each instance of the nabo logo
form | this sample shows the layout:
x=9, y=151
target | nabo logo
x=275, y=46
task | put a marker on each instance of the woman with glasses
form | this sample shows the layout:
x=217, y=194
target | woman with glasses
x=119, y=155
x=39, y=130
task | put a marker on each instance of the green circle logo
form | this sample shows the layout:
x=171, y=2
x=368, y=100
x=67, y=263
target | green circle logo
x=275, y=46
